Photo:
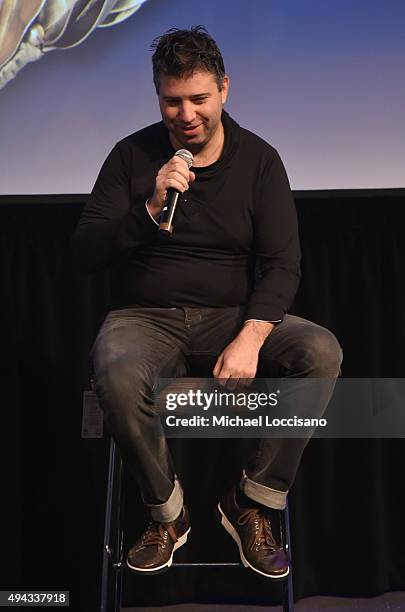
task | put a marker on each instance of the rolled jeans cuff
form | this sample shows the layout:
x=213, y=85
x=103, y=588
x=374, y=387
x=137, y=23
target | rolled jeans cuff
x=262, y=494
x=170, y=509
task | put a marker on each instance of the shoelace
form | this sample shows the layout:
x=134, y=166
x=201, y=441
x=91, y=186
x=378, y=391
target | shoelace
x=155, y=534
x=264, y=538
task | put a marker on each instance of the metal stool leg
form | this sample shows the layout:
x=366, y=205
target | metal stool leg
x=288, y=593
x=113, y=535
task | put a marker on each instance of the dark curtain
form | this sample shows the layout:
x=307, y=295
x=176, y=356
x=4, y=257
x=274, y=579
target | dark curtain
x=348, y=500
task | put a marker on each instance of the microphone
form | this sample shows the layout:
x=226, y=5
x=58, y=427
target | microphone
x=172, y=197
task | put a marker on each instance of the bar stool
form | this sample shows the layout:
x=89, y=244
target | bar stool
x=113, y=550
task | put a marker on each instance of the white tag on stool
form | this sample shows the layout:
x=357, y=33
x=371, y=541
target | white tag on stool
x=92, y=422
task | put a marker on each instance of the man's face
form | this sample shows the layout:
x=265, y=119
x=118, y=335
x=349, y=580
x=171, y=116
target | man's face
x=191, y=108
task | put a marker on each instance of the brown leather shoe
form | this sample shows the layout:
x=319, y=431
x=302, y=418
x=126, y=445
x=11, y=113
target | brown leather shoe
x=251, y=530
x=153, y=552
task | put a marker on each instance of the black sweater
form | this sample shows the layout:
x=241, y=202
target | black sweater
x=239, y=211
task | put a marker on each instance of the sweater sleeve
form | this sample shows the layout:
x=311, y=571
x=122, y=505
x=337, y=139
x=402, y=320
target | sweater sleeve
x=277, y=245
x=112, y=222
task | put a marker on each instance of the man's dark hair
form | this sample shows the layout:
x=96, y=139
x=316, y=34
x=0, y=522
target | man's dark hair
x=180, y=53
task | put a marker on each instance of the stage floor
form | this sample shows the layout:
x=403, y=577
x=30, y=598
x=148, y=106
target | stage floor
x=389, y=602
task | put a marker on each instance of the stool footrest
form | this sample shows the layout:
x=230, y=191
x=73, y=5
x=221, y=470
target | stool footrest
x=207, y=564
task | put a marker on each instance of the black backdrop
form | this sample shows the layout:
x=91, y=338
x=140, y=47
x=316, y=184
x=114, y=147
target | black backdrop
x=348, y=502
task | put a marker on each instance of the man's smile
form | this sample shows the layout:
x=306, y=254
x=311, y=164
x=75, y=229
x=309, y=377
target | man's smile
x=190, y=130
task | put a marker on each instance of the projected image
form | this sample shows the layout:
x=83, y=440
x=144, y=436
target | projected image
x=31, y=28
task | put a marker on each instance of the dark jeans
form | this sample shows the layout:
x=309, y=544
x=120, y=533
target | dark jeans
x=137, y=346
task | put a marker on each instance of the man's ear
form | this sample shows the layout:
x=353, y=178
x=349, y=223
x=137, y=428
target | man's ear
x=225, y=88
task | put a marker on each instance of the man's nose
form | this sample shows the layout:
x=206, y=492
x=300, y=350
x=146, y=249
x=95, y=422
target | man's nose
x=187, y=113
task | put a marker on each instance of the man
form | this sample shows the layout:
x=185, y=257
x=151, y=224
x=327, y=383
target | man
x=192, y=296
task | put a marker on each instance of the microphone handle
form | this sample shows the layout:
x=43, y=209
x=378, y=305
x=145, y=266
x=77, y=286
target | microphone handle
x=166, y=218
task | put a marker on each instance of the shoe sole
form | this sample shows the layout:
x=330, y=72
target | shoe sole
x=234, y=534
x=161, y=568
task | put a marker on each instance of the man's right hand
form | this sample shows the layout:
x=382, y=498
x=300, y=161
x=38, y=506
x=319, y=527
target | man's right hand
x=174, y=174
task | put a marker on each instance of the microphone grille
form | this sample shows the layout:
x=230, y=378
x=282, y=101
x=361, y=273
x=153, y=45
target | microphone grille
x=186, y=155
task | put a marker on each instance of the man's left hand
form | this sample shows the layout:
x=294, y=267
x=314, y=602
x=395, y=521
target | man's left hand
x=237, y=364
